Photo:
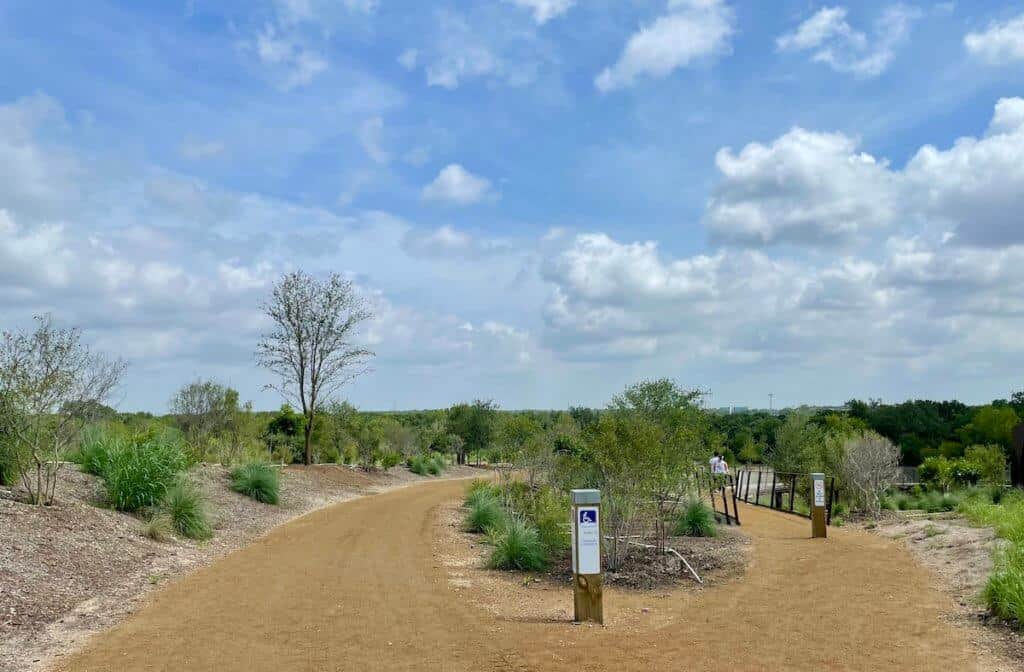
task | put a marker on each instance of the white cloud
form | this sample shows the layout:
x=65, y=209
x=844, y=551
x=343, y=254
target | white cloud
x=808, y=188
x=1001, y=43
x=691, y=30
x=545, y=10
x=298, y=65
x=837, y=44
x=408, y=58
x=449, y=242
x=455, y=184
x=370, y=138
x=805, y=187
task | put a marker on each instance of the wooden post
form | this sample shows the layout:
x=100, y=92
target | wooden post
x=819, y=530
x=588, y=604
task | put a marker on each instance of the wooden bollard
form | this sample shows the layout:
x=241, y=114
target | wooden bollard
x=586, y=556
x=819, y=528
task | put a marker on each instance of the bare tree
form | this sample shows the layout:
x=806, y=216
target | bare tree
x=870, y=465
x=51, y=385
x=203, y=409
x=310, y=347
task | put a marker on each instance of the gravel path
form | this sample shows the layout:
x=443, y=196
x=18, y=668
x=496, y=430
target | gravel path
x=358, y=586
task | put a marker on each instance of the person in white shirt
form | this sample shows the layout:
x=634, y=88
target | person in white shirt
x=714, y=462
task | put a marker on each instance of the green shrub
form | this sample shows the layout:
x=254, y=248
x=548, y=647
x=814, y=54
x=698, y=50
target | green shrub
x=138, y=473
x=484, y=515
x=435, y=465
x=480, y=489
x=183, y=503
x=390, y=458
x=697, y=520
x=517, y=546
x=550, y=517
x=1004, y=591
x=257, y=480
x=989, y=462
x=418, y=465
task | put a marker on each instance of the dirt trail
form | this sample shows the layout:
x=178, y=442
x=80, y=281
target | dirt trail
x=356, y=587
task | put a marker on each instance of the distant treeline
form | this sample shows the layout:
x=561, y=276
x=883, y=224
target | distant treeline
x=921, y=428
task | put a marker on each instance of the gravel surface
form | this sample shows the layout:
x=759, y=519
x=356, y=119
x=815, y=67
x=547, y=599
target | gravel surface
x=361, y=587
x=74, y=568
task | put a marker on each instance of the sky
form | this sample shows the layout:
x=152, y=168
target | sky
x=543, y=201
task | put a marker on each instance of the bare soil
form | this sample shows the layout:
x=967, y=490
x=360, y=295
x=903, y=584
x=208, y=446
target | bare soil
x=72, y=569
x=360, y=586
x=960, y=557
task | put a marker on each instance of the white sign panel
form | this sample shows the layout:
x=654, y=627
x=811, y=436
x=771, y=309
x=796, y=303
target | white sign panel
x=586, y=541
x=819, y=492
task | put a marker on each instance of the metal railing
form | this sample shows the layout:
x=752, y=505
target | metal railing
x=721, y=490
x=789, y=493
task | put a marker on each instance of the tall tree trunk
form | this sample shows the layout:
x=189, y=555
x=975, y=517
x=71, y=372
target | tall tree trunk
x=308, y=432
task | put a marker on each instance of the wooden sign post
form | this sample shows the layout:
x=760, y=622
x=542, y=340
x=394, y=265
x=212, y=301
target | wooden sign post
x=586, y=556
x=818, y=527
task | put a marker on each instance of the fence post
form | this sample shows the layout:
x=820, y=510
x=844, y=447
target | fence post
x=771, y=497
x=792, y=492
x=757, y=495
x=735, y=506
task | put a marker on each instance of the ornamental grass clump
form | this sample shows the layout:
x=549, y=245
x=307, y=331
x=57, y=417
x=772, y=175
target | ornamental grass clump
x=257, y=480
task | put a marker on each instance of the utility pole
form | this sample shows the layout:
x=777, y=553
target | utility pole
x=771, y=402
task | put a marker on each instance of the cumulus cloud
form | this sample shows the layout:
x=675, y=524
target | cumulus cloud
x=691, y=30
x=545, y=10
x=834, y=42
x=811, y=188
x=455, y=184
x=296, y=64
x=1001, y=43
x=804, y=187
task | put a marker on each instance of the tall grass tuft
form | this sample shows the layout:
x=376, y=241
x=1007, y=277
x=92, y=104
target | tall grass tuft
x=516, y=546
x=484, y=515
x=137, y=473
x=697, y=520
x=481, y=489
x=183, y=503
x=435, y=465
x=257, y=480
x=1004, y=591
x=159, y=527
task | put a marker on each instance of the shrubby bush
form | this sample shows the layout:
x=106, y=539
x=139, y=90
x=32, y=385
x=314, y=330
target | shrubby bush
x=484, y=515
x=183, y=503
x=257, y=480
x=517, y=546
x=138, y=472
x=697, y=520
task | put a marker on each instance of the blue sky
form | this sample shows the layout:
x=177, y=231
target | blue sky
x=544, y=199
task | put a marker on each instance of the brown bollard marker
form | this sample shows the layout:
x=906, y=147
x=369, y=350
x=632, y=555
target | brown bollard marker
x=586, y=556
x=819, y=530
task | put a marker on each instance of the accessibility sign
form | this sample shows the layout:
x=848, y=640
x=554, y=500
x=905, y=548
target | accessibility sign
x=586, y=539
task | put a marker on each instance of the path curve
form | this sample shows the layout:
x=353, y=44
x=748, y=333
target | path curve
x=356, y=587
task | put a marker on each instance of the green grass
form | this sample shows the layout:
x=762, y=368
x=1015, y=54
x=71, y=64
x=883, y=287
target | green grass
x=257, y=480
x=697, y=520
x=517, y=546
x=183, y=503
x=1004, y=590
x=418, y=465
x=481, y=489
x=435, y=465
x=137, y=473
x=484, y=515
x=931, y=501
x=549, y=517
